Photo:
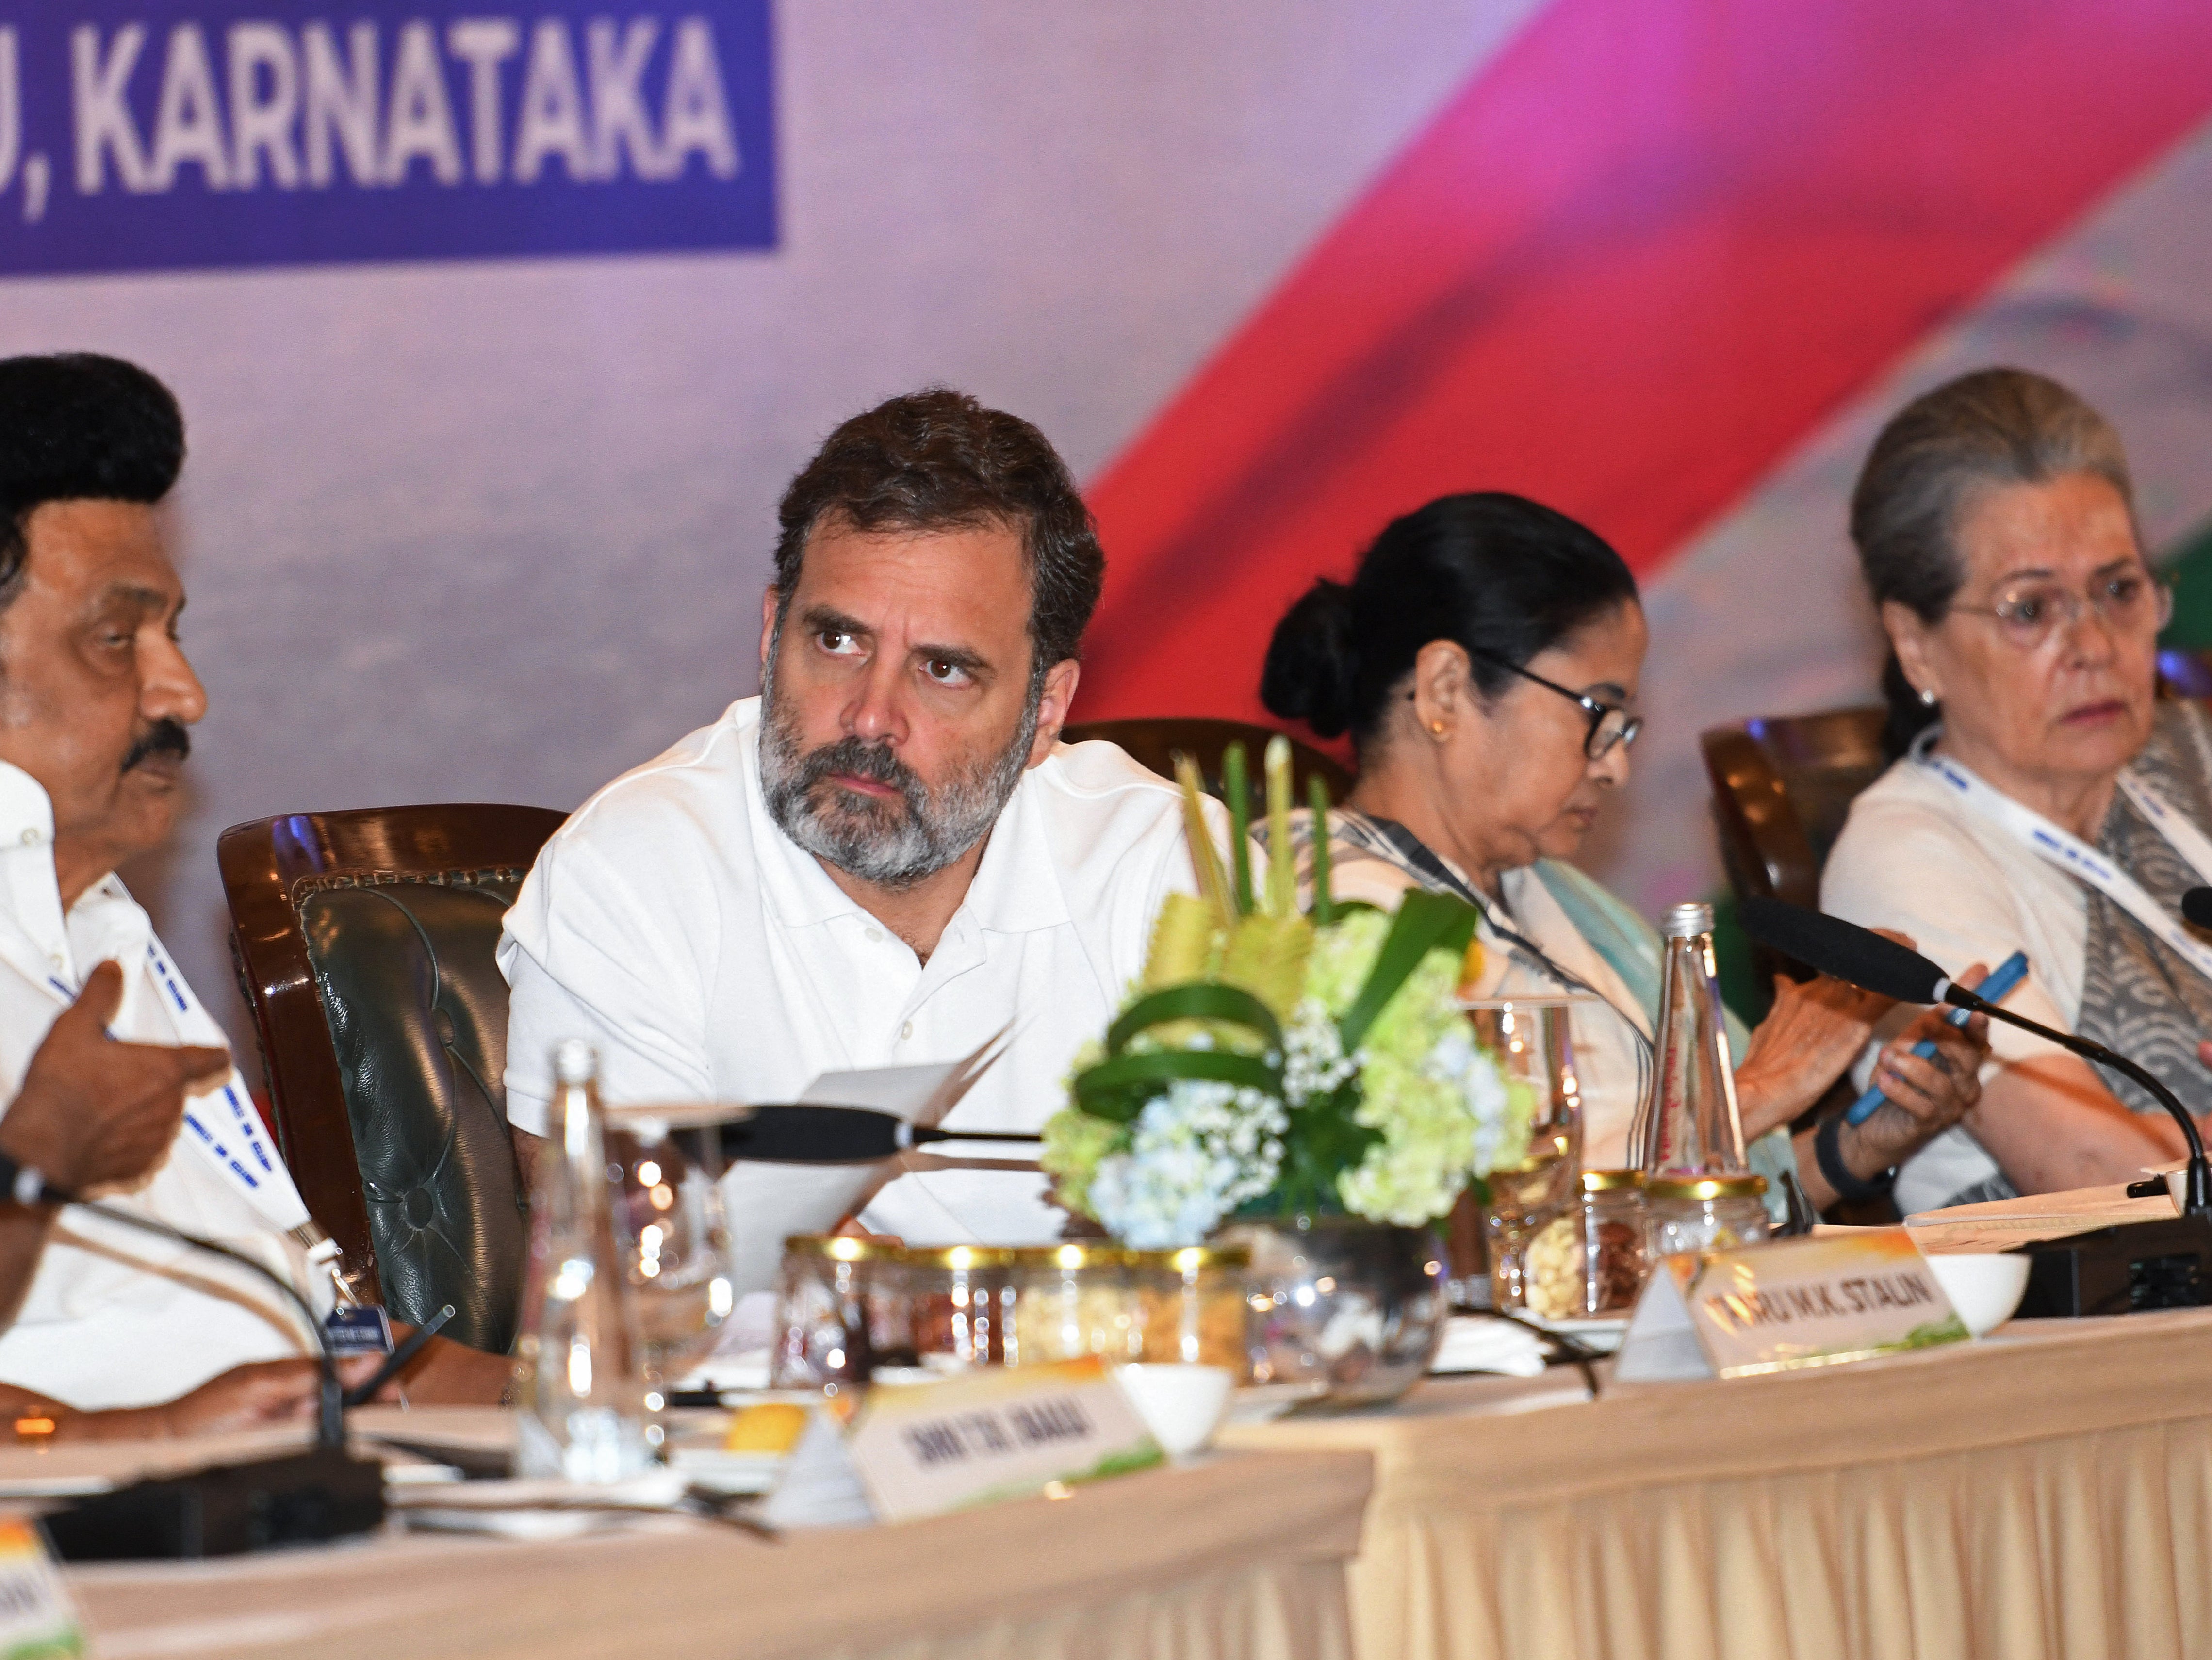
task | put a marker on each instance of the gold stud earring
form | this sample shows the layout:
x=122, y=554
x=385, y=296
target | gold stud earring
x=1436, y=729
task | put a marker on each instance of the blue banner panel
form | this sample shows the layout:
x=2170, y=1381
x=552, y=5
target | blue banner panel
x=150, y=135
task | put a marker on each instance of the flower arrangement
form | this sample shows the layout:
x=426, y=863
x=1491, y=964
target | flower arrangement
x=1271, y=1061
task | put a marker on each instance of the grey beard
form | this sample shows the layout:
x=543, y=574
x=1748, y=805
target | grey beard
x=892, y=845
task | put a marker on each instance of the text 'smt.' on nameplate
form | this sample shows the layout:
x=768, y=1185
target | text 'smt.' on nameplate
x=1792, y=1302
x=997, y=1434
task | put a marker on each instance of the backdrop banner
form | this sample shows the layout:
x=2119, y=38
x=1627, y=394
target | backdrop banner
x=140, y=134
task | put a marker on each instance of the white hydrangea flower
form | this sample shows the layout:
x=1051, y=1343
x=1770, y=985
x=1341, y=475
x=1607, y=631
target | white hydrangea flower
x=1197, y=1152
x=1501, y=1134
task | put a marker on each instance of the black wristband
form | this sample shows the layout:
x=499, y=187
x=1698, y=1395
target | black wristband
x=1828, y=1153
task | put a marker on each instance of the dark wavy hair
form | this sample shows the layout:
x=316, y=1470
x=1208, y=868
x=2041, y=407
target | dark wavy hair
x=77, y=426
x=939, y=460
x=1503, y=576
x=1932, y=462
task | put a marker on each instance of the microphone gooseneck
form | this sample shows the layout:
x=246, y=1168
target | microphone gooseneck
x=330, y=1419
x=2199, y=1183
x=1850, y=952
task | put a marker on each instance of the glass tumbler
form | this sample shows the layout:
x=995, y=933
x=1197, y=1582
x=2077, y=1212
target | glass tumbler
x=1532, y=1040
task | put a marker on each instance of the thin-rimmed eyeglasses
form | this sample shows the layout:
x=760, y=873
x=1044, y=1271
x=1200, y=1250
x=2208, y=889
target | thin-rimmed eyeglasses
x=1609, y=724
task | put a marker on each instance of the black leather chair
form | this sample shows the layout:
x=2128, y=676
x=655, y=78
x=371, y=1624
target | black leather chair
x=364, y=942
x=1153, y=742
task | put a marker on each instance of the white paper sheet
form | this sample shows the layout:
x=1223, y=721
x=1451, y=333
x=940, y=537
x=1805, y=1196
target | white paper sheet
x=766, y=1203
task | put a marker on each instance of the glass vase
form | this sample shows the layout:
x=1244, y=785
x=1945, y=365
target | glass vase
x=1354, y=1307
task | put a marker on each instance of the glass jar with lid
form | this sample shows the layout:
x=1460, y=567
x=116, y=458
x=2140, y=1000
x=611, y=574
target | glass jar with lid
x=961, y=1304
x=1194, y=1304
x=1614, y=1229
x=1705, y=1213
x=1072, y=1301
x=835, y=1297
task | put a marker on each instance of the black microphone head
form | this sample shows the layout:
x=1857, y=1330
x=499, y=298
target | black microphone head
x=2197, y=906
x=800, y=1134
x=1842, y=950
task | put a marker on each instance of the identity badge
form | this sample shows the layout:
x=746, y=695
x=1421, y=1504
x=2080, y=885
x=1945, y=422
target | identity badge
x=363, y=1330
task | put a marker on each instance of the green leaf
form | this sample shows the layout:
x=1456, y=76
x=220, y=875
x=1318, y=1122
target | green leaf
x=1118, y=1089
x=1424, y=922
x=1200, y=1000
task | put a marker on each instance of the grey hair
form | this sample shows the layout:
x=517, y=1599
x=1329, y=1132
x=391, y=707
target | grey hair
x=1936, y=458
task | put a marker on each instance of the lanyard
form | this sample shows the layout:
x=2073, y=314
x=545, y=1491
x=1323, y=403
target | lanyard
x=222, y=1124
x=2076, y=856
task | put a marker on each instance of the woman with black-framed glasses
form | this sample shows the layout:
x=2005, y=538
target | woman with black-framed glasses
x=1485, y=659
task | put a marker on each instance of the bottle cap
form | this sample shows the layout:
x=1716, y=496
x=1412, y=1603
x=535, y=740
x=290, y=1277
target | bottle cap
x=576, y=1061
x=1688, y=921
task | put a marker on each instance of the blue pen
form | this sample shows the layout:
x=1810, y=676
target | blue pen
x=2009, y=973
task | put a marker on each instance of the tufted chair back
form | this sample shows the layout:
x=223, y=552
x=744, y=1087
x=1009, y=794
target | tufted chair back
x=365, y=946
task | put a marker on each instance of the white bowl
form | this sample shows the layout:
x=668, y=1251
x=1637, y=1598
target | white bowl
x=1182, y=1405
x=1985, y=1289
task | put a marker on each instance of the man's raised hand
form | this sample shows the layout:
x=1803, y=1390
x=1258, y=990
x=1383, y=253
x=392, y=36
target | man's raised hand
x=93, y=1112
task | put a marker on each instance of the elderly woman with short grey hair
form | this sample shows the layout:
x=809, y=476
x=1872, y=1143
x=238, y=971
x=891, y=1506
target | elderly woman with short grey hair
x=2045, y=798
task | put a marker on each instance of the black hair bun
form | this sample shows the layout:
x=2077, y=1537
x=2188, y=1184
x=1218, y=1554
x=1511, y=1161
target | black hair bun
x=1313, y=660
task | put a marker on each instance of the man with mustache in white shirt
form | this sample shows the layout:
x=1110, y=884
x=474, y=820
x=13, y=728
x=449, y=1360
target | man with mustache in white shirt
x=117, y=1332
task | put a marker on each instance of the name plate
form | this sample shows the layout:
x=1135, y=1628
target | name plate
x=37, y=1620
x=995, y=1434
x=1815, y=1301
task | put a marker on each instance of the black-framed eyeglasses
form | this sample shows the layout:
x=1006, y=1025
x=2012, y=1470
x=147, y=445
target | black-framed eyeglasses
x=1609, y=724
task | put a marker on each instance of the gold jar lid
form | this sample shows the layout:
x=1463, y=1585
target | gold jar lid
x=1189, y=1259
x=1704, y=1187
x=1072, y=1255
x=1606, y=1181
x=960, y=1258
x=837, y=1248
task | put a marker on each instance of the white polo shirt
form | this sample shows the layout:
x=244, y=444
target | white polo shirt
x=707, y=957
x=114, y=1317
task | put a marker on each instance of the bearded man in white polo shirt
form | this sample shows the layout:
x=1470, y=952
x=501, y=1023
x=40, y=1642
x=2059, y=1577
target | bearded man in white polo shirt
x=888, y=856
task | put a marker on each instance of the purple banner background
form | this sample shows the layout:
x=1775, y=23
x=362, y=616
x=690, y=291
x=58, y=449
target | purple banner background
x=140, y=135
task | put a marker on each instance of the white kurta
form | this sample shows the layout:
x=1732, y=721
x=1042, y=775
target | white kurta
x=114, y=1317
x=707, y=957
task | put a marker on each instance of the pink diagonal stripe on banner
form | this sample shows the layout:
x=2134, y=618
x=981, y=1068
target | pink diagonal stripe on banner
x=1646, y=249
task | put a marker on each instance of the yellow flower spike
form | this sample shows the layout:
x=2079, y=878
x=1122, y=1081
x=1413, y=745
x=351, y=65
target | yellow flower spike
x=1205, y=857
x=1470, y=969
x=1185, y=939
x=1267, y=957
x=1282, y=868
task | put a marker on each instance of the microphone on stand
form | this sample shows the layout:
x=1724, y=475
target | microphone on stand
x=327, y=1494
x=806, y=1134
x=1854, y=955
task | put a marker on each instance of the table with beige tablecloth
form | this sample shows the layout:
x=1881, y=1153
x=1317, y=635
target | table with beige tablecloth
x=1240, y=1556
x=2044, y=1493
